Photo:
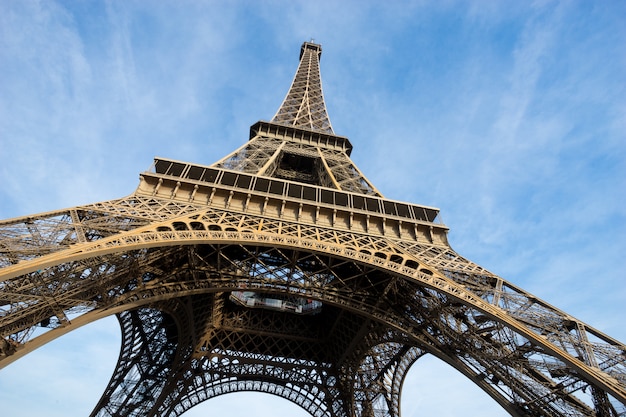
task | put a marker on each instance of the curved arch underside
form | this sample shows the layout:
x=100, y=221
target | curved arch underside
x=384, y=303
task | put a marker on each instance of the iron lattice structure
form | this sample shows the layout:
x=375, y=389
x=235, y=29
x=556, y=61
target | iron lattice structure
x=282, y=269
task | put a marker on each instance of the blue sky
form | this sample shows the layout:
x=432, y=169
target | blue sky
x=509, y=116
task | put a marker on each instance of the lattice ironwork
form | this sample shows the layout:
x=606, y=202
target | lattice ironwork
x=304, y=105
x=289, y=217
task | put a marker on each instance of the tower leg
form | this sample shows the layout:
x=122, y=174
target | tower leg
x=149, y=345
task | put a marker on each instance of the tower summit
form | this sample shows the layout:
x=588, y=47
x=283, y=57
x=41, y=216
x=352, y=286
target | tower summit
x=281, y=269
x=304, y=105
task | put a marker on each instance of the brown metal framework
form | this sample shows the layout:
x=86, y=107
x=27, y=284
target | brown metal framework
x=289, y=219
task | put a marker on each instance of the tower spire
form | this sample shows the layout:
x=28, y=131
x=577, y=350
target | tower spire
x=304, y=105
x=299, y=143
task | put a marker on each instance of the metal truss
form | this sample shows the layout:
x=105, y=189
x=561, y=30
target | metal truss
x=304, y=105
x=279, y=153
x=289, y=217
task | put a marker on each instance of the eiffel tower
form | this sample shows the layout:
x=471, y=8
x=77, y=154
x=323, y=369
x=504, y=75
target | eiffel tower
x=282, y=269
